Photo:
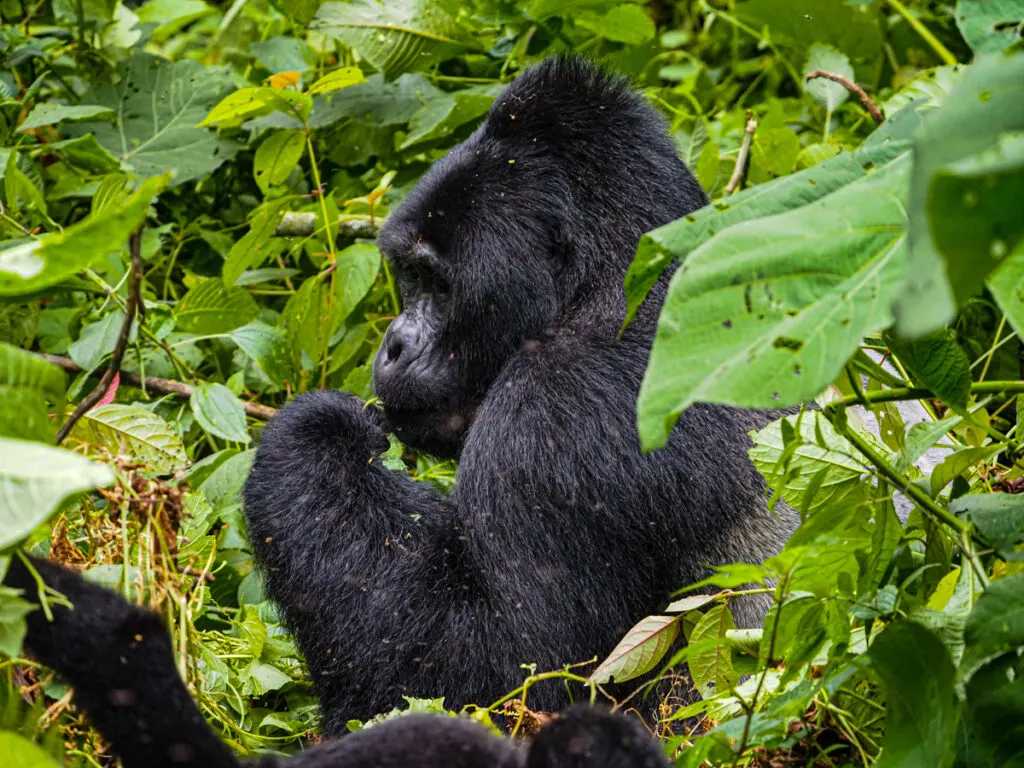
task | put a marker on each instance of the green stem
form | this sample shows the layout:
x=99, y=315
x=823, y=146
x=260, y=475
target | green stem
x=921, y=498
x=925, y=34
x=919, y=393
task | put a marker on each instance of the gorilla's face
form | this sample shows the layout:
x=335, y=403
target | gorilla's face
x=470, y=250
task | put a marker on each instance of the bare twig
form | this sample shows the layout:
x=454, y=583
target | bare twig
x=163, y=386
x=131, y=309
x=743, y=157
x=856, y=90
x=304, y=224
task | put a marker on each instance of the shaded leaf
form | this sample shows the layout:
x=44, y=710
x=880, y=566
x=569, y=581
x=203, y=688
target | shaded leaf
x=211, y=308
x=35, y=480
x=219, y=412
x=134, y=432
x=639, y=651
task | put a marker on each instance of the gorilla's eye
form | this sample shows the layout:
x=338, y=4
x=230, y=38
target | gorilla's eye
x=429, y=281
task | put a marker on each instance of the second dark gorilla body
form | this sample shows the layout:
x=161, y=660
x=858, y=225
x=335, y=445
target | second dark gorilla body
x=560, y=533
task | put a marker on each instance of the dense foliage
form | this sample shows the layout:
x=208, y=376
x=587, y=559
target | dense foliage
x=190, y=192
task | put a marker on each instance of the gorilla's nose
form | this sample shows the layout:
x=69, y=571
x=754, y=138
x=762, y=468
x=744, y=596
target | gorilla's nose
x=401, y=342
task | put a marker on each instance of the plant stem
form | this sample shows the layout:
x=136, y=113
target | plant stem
x=925, y=34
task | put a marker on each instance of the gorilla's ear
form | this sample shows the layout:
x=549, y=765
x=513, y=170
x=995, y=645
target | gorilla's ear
x=589, y=737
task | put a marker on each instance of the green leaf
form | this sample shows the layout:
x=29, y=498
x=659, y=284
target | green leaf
x=627, y=24
x=395, y=36
x=219, y=412
x=357, y=270
x=822, y=458
x=937, y=362
x=1007, y=286
x=990, y=26
x=712, y=666
x=86, y=153
x=916, y=671
x=639, y=651
x=277, y=157
x=259, y=243
x=659, y=248
x=248, y=103
x=42, y=263
x=13, y=611
x=35, y=480
x=27, y=383
x=767, y=313
x=827, y=93
x=157, y=105
x=49, y=114
x=97, y=340
x=441, y=116
x=210, y=308
x=336, y=80
x=995, y=625
x=19, y=752
x=994, y=715
x=998, y=517
x=961, y=140
x=135, y=432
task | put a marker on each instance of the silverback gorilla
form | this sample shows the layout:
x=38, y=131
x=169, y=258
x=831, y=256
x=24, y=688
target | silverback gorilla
x=560, y=533
x=119, y=659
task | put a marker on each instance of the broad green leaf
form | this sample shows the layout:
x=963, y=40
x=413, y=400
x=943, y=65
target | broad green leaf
x=86, y=153
x=219, y=412
x=97, y=340
x=357, y=270
x=19, y=752
x=135, y=432
x=248, y=103
x=277, y=157
x=336, y=80
x=937, y=362
x=440, y=116
x=712, y=666
x=767, y=313
x=629, y=24
x=42, y=263
x=639, y=651
x=851, y=29
x=376, y=102
x=957, y=463
x=172, y=15
x=689, y=603
x=49, y=114
x=157, y=105
x=998, y=517
x=659, y=248
x=27, y=383
x=283, y=54
x=210, y=308
x=827, y=93
x=990, y=26
x=995, y=625
x=396, y=36
x=831, y=467
x=962, y=139
x=35, y=479
x=13, y=611
x=259, y=243
x=994, y=715
x=917, y=674
x=801, y=630
x=1007, y=286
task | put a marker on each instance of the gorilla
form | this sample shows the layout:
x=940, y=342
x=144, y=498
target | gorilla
x=560, y=532
x=119, y=659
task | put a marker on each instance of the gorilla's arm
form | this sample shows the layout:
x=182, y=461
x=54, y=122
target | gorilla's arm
x=362, y=559
x=119, y=659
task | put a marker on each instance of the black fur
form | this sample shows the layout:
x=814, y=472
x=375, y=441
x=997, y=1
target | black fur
x=560, y=533
x=120, y=661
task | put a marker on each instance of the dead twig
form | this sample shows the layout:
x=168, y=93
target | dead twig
x=739, y=171
x=856, y=90
x=130, y=311
x=163, y=386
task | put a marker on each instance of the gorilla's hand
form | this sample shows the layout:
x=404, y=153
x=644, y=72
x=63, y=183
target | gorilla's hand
x=329, y=426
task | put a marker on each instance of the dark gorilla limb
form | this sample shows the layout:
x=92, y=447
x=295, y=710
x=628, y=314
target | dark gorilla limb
x=560, y=533
x=120, y=662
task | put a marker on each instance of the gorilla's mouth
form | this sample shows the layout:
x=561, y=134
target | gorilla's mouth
x=439, y=431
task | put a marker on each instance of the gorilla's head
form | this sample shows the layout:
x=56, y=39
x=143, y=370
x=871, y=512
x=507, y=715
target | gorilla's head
x=522, y=230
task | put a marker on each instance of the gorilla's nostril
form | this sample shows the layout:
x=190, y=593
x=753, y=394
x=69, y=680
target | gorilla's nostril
x=393, y=344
